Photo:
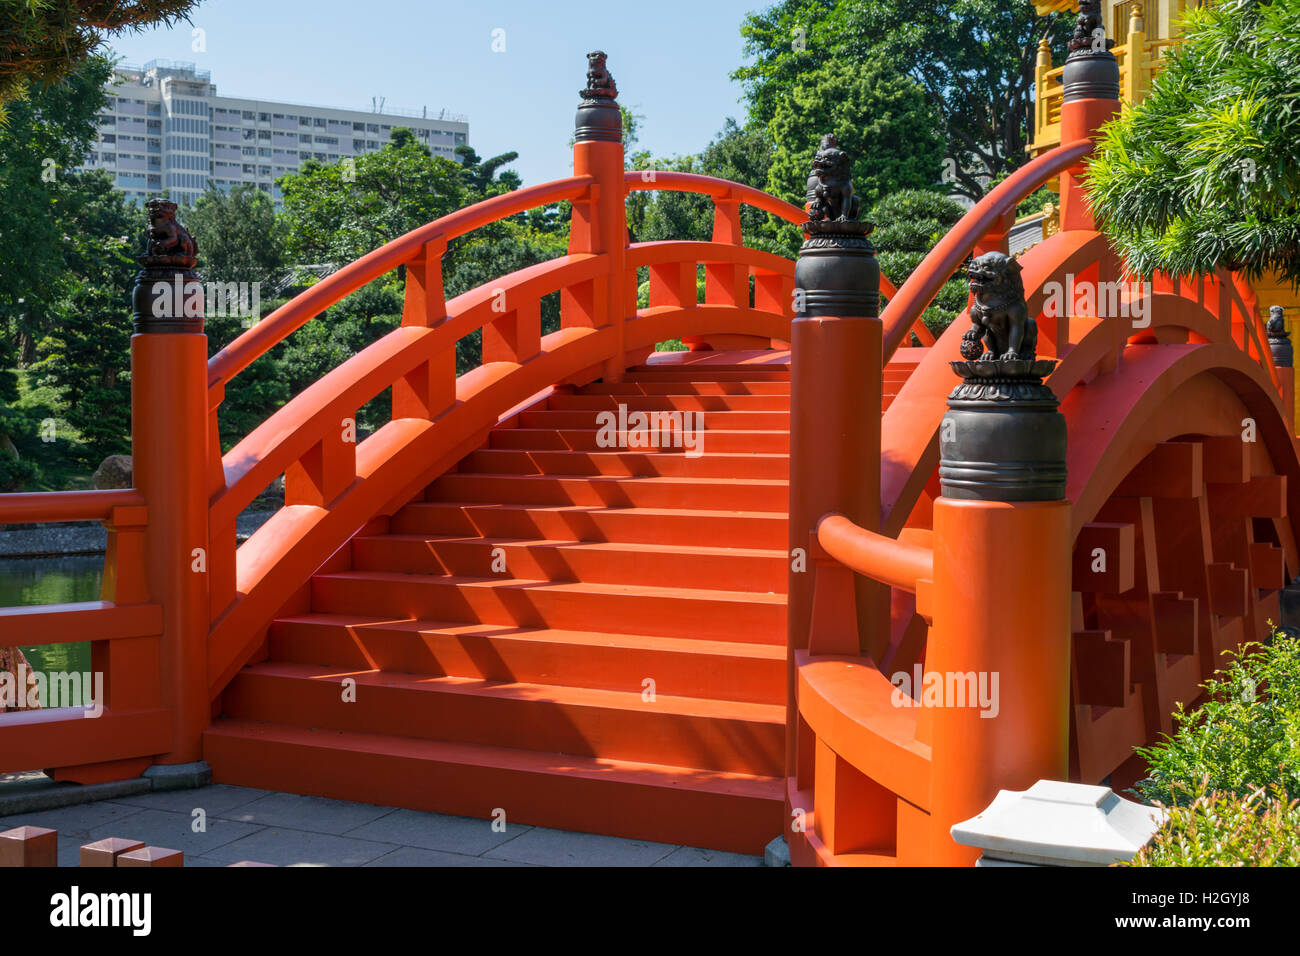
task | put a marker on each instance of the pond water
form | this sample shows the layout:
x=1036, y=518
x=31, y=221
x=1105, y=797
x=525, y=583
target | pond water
x=52, y=580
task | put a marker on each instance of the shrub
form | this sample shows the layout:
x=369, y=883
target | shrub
x=1224, y=829
x=1229, y=775
x=1245, y=737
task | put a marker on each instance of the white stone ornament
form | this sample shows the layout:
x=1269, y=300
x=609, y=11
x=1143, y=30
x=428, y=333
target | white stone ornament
x=1055, y=823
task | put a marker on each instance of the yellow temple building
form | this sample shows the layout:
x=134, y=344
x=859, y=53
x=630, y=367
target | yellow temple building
x=1142, y=33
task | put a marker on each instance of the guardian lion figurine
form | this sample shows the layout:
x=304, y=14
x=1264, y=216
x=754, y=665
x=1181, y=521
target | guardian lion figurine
x=999, y=316
x=830, y=189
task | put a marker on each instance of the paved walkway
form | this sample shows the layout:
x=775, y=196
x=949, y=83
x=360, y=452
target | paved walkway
x=218, y=824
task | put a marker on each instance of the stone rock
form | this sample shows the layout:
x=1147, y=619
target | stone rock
x=777, y=853
x=113, y=472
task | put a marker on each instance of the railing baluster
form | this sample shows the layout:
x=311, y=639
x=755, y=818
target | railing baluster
x=516, y=336
x=429, y=388
x=329, y=466
x=773, y=292
x=425, y=304
x=673, y=284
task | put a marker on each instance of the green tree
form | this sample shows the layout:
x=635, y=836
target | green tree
x=736, y=153
x=974, y=59
x=1204, y=172
x=338, y=213
x=879, y=117
x=48, y=133
x=485, y=177
x=909, y=224
x=43, y=41
x=238, y=235
x=85, y=354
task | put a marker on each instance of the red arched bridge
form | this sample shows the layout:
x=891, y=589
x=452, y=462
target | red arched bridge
x=514, y=594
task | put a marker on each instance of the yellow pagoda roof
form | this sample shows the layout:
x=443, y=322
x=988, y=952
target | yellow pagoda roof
x=1044, y=7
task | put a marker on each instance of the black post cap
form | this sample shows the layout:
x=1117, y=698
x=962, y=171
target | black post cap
x=168, y=296
x=836, y=273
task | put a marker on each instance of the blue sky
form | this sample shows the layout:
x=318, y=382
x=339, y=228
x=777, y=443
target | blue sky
x=671, y=60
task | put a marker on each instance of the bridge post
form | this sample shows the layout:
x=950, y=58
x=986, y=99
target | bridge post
x=169, y=436
x=1001, y=599
x=1279, y=343
x=1090, y=97
x=600, y=224
x=836, y=368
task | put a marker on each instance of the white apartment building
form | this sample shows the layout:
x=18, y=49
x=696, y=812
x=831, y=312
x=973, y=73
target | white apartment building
x=165, y=128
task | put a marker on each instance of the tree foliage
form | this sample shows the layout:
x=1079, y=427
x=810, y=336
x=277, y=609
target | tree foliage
x=86, y=352
x=239, y=237
x=879, y=117
x=1205, y=171
x=43, y=41
x=909, y=224
x=49, y=133
x=338, y=212
x=974, y=60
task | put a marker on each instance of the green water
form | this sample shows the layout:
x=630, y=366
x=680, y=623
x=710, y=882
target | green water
x=25, y=581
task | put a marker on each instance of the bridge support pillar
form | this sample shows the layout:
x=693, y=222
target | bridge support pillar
x=600, y=224
x=997, y=666
x=169, y=425
x=1090, y=97
x=836, y=369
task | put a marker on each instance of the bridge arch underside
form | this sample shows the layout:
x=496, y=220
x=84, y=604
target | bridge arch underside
x=1183, y=480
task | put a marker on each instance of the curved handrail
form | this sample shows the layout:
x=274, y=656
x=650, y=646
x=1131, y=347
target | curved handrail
x=714, y=188
x=291, y=316
x=875, y=555
x=905, y=309
x=283, y=437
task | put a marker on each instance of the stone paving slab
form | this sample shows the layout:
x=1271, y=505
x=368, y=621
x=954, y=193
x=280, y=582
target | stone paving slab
x=77, y=820
x=175, y=831
x=319, y=814
x=694, y=856
x=416, y=856
x=437, y=831
x=285, y=847
x=290, y=830
x=563, y=848
x=216, y=800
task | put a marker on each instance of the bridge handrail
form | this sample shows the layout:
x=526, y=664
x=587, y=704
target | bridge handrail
x=291, y=316
x=302, y=421
x=725, y=190
x=46, y=507
x=874, y=555
x=904, y=310
x=715, y=189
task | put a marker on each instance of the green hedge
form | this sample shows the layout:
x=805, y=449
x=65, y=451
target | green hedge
x=1230, y=773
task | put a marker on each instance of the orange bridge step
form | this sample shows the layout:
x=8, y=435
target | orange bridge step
x=582, y=636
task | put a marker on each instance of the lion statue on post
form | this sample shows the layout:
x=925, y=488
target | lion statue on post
x=999, y=316
x=830, y=189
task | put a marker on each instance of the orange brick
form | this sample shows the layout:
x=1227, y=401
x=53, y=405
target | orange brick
x=29, y=846
x=152, y=856
x=105, y=852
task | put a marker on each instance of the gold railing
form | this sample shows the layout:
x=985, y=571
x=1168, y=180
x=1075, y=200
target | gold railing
x=1139, y=60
